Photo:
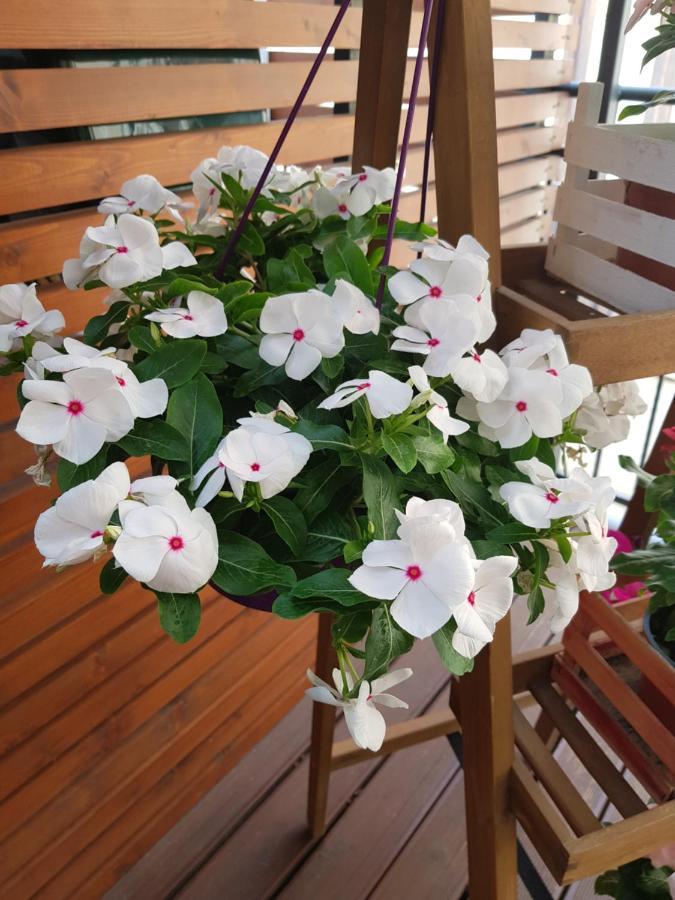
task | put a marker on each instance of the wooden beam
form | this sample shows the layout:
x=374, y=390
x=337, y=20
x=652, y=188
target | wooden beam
x=323, y=726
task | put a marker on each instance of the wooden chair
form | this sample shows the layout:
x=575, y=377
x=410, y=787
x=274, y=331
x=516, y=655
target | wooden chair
x=510, y=774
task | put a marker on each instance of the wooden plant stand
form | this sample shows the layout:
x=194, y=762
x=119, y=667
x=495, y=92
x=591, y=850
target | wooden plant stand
x=507, y=764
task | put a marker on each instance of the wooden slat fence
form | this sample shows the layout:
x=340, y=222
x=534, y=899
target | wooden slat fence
x=110, y=732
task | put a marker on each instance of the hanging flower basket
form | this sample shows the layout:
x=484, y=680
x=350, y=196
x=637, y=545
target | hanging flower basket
x=332, y=434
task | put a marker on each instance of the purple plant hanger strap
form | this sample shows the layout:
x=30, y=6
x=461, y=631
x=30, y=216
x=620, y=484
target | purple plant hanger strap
x=412, y=103
x=431, y=112
x=281, y=139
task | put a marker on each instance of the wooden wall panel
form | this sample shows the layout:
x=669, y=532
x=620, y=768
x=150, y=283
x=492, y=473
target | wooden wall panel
x=109, y=731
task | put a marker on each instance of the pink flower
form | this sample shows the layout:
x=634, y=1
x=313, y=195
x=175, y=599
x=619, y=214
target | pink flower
x=641, y=8
x=664, y=857
x=623, y=542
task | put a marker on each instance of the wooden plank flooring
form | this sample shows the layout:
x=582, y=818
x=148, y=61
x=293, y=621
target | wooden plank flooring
x=395, y=825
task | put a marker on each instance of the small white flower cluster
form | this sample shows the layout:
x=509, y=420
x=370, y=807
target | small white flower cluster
x=603, y=417
x=160, y=541
x=344, y=194
x=21, y=314
x=582, y=501
x=97, y=400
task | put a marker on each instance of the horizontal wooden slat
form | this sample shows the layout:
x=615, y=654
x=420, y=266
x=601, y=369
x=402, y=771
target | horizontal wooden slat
x=56, y=98
x=56, y=174
x=518, y=176
x=519, y=207
x=221, y=24
x=532, y=232
x=520, y=143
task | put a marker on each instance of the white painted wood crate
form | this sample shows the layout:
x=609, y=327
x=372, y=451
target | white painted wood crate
x=592, y=218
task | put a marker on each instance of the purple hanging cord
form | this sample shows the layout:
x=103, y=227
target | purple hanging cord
x=412, y=103
x=282, y=137
x=431, y=112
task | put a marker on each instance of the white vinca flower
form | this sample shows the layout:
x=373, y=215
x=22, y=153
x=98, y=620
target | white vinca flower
x=77, y=415
x=299, y=331
x=437, y=248
x=603, y=416
x=442, y=519
x=146, y=399
x=487, y=602
x=562, y=600
x=529, y=404
x=358, y=313
x=438, y=413
x=386, y=396
x=265, y=453
x=204, y=317
x=537, y=505
x=425, y=573
x=169, y=547
x=123, y=252
x=73, y=530
x=142, y=193
x=212, y=475
x=354, y=195
x=365, y=722
x=246, y=164
x=483, y=375
x=436, y=331
x=157, y=490
x=21, y=313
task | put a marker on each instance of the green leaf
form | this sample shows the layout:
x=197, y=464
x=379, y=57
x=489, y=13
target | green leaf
x=328, y=534
x=353, y=550
x=250, y=242
x=245, y=568
x=499, y=475
x=636, y=109
x=97, y=328
x=179, y=615
x=474, y=494
x=323, y=437
x=329, y=584
x=477, y=443
x=256, y=378
x=69, y=475
x=644, y=478
x=237, y=351
x=182, y=286
x=331, y=368
x=196, y=413
x=365, y=347
x=385, y=642
x=434, y=455
x=488, y=549
x=608, y=884
x=657, y=562
x=155, y=437
x=526, y=451
x=453, y=661
x=535, y=604
x=175, y=362
x=657, y=491
x=286, y=607
x=289, y=274
x=401, y=449
x=319, y=485
x=352, y=626
x=380, y=495
x=512, y=533
x=111, y=577
x=564, y=547
x=343, y=255
x=141, y=336
x=289, y=523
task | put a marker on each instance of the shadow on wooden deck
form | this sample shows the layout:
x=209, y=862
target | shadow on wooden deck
x=395, y=828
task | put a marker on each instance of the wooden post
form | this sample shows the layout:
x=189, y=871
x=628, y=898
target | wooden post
x=384, y=45
x=385, y=34
x=323, y=726
x=465, y=129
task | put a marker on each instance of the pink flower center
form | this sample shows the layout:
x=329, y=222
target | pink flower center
x=255, y=467
x=120, y=381
x=131, y=203
x=472, y=598
x=20, y=323
x=478, y=298
x=363, y=177
x=521, y=406
x=176, y=543
x=433, y=342
x=221, y=465
x=212, y=192
x=342, y=208
x=552, y=371
x=96, y=534
x=413, y=572
x=298, y=334
x=363, y=387
x=435, y=292
x=552, y=498
x=188, y=317
x=75, y=407
x=476, y=357
x=122, y=250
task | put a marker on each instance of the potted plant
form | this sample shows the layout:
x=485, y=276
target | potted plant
x=310, y=444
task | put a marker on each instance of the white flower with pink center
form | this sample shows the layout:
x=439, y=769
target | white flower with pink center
x=364, y=721
x=72, y=530
x=483, y=375
x=434, y=330
x=386, y=396
x=438, y=413
x=171, y=548
x=265, y=453
x=142, y=194
x=487, y=602
x=21, y=314
x=299, y=331
x=537, y=505
x=358, y=313
x=211, y=474
x=353, y=195
x=204, y=317
x=77, y=415
x=245, y=164
x=427, y=578
x=529, y=404
x=123, y=252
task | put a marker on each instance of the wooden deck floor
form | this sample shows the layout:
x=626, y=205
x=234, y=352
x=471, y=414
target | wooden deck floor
x=396, y=825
